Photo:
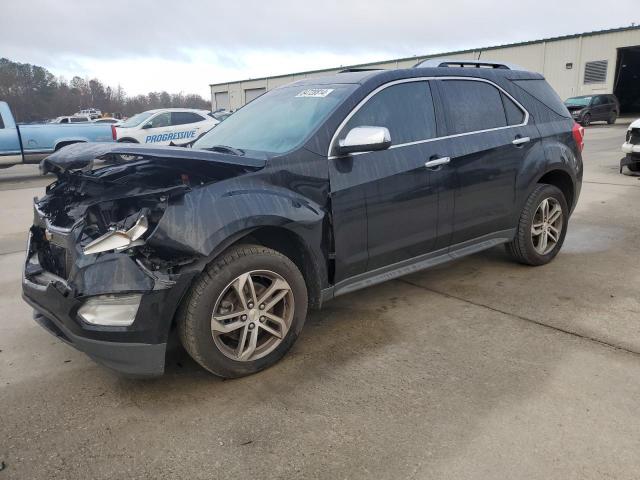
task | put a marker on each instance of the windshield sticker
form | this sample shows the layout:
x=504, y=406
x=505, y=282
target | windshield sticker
x=315, y=92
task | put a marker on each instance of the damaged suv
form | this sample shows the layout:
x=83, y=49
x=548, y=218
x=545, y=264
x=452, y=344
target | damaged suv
x=313, y=190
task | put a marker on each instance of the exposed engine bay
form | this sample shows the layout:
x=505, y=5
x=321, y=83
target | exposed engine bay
x=104, y=205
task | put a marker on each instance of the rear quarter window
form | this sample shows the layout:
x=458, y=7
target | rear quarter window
x=542, y=91
x=515, y=115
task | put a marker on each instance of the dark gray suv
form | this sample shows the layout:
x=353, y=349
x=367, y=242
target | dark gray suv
x=593, y=108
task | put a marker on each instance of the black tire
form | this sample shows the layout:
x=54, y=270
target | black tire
x=522, y=248
x=612, y=118
x=634, y=167
x=586, y=120
x=195, y=313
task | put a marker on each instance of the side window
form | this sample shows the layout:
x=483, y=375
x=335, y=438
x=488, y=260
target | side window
x=64, y=120
x=1, y=123
x=183, y=118
x=471, y=106
x=79, y=120
x=599, y=100
x=406, y=109
x=515, y=116
x=160, y=120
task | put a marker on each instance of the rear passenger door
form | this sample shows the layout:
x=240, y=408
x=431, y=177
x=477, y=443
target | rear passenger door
x=488, y=139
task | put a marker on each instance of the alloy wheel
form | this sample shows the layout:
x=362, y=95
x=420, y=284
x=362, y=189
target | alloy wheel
x=547, y=226
x=252, y=315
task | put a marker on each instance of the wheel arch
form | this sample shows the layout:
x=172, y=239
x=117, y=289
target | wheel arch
x=562, y=180
x=64, y=143
x=292, y=246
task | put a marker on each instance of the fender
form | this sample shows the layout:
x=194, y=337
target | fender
x=234, y=209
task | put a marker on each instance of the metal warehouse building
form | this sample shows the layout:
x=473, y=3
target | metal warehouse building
x=605, y=61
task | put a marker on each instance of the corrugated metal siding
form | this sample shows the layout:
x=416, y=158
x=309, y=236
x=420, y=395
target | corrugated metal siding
x=547, y=57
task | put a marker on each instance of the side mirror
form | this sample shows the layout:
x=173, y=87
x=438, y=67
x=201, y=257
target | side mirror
x=146, y=125
x=365, y=139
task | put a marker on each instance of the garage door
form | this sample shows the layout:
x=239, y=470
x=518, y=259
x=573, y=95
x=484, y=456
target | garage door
x=253, y=93
x=222, y=100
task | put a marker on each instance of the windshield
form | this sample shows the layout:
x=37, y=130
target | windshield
x=136, y=119
x=578, y=101
x=277, y=121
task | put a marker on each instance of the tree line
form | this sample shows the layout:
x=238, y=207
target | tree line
x=35, y=94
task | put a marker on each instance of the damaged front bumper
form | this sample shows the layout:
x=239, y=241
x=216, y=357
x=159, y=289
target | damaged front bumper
x=59, y=279
x=632, y=157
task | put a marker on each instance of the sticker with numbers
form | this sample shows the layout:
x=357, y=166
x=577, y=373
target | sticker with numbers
x=315, y=92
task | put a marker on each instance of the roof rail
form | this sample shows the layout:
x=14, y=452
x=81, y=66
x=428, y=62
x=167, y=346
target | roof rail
x=347, y=70
x=447, y=62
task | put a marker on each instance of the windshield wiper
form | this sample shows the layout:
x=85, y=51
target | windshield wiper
x=227, y=149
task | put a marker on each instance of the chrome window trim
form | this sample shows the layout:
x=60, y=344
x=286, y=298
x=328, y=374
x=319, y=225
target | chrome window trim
x=355, y=109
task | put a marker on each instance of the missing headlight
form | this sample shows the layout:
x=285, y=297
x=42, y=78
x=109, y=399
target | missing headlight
x=119, y=239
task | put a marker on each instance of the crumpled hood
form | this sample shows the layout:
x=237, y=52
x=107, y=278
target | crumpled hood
x=82, y=155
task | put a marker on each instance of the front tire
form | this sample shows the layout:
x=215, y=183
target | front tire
x=586, y=120
x=542, y=227
x=244, y=312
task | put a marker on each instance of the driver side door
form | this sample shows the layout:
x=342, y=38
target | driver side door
x=386, y=203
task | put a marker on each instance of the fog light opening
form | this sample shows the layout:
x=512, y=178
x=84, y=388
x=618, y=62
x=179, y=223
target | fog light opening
x=110, y=310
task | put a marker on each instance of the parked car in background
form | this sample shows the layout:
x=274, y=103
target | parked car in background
x=593, y=108
x=31, y=143
x=221, y=114
x=71, y=119
x=177, y=126
x=92, y=113
x=109, y=120
x=631, y=147
x=313, y=190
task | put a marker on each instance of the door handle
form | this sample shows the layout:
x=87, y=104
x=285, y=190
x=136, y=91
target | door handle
x=521, y=140
x=437, y=162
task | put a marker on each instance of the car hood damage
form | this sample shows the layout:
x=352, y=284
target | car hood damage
x=84, y=156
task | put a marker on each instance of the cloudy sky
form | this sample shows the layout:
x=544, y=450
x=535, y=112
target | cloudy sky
x=173, y=45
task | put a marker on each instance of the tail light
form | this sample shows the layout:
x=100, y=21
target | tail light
x=113, y=132
x=578, y=136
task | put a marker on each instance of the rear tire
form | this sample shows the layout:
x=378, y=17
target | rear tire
x=541, y=232
x=229, y=322
x=612, y=118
